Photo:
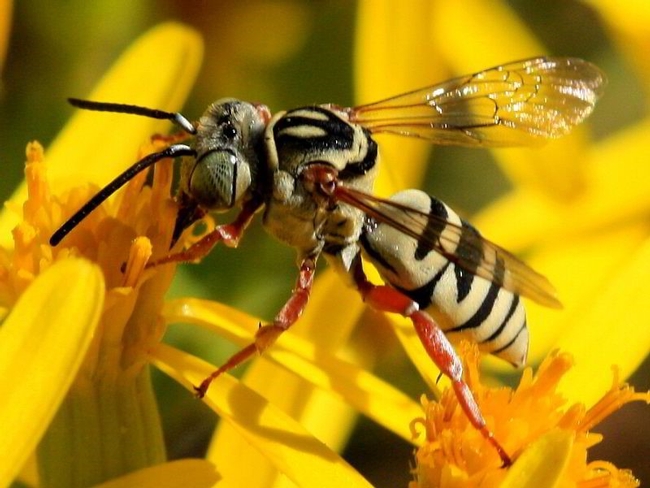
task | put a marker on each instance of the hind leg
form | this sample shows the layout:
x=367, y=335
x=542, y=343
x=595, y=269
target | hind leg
x=436, y=344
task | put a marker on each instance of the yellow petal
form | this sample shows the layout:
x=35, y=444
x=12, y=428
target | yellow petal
x=617, y=190
x=612, y=331
x=365, y=392
x=328, y=323
x=474, y=35
x=417, y=355
x=156, y=71
x=600, y=279
x=395, y=53
x=291, y=449
x=581, y=270
x=542, y=464
x=196, y=473
x=362, y=390
x=629, y=22
x=42, y=344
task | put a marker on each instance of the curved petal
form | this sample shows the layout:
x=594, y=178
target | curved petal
x=196, y=473
x=368, y=394
x=613, y=330
x=628, y=21
x=542, y=464
x=395, y=53
x=156, y=71
x=328, y=323
x=42, y=345
x=468, y=40
x=581, y=269
x=618, y=190
x=280, y=439
x=474, y=34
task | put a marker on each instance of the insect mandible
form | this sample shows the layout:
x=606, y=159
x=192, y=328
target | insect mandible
x=310, y=171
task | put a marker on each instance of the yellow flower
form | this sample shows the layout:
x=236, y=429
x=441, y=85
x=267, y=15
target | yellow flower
x=93, y=408
x=549, y=438
x=104, y=336
x=577, y=209
x=304, y=391
x=591, y=242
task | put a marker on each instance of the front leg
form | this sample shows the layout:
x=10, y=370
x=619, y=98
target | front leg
x=229, y=234
x=268, y=334
x=436, y=344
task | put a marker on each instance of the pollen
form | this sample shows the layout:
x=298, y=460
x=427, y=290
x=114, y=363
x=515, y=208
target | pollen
x=122, y=235
x=454, y=454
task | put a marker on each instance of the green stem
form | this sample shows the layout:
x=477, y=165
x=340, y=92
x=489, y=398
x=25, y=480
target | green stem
x=102, y=431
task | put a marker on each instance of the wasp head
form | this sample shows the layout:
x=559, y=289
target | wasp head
x=228, y=147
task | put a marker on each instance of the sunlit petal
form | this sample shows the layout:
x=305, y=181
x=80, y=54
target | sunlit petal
x=42, y=343
x=547, y=437
x=196, y=473
x=468, y=41
x=365, y=392
x=385, y=68
x=286, y=443
x=157, y=71
x=292, y=394
x=629, y=23
x=542, y=464
x=617, y=190
x=612, y=331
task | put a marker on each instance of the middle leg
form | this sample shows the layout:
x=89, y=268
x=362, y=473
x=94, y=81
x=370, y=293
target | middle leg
x=268, y=334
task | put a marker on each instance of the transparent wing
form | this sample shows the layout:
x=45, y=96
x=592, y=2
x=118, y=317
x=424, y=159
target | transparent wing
x=519, y=103
x=477, y=255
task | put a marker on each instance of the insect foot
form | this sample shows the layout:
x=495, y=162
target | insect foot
x=435, y=342
x=268, y=334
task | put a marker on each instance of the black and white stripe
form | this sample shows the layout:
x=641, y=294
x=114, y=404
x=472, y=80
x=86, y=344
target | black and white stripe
x=464, y=305
x=316, y=134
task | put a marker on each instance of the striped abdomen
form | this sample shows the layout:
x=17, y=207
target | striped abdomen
x=464, y=305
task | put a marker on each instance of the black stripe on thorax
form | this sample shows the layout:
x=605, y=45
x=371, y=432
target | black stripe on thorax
x=361, y=167
x=338, y=134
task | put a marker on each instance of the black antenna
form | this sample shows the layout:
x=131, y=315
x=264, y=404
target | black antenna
x=123, y=108
x=173, y=151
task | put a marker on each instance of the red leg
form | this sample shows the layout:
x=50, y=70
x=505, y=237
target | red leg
x=229, y=234
x=436, y=344
x=267, y=334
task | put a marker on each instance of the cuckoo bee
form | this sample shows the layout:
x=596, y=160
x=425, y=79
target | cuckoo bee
x=310, y=171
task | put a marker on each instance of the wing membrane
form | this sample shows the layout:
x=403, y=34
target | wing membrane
x=519, y=103
x=518, y=277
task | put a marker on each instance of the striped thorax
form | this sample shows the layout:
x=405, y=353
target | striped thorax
x=294, y=141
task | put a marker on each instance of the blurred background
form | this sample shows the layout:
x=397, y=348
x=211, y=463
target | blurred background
x=283, y=53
